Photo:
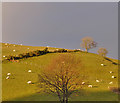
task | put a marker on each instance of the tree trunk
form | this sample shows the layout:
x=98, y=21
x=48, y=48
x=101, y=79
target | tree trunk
x=66, y=99
x=86, y=50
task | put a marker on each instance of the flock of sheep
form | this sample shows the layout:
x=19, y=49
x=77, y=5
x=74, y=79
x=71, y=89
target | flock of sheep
x=90, y=86
x=9, y=74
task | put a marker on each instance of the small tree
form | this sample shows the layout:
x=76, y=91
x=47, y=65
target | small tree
x=61, y=77
x=102, y=52
x=88, y=43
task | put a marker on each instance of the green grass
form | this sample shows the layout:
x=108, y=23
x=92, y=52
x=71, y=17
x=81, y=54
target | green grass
x=17, y=89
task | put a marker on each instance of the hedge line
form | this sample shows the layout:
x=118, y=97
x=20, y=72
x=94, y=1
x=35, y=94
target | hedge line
x=38, y=53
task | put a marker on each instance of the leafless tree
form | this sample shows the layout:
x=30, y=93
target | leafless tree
x=88, y=43
x=102, y=52
x=62, y=77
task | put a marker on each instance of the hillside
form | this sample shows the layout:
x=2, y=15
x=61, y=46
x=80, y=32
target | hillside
x=16, y=88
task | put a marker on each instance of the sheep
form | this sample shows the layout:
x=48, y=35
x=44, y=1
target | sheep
x=102, y=64
x=7, y=77
x=21, y=44
x=27, y=48
x=29, y=82
x=83, y=82
x=8, y=73
x=111, y=72
x=14, y=50
x=29, y=71
x=47, y=46
x=111, y=83
x=113, y=77
x=13, y=45
x=4, y=56
x=90, y=86
x=97, y=81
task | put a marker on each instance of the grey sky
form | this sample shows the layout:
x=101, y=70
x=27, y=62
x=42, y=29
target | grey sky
x=61, y=24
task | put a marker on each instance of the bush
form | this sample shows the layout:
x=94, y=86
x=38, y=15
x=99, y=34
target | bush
x=45, y=50
x=20, y=55
x=61, y=50
x=76, y=50
x=31, y=54
x=10, y=57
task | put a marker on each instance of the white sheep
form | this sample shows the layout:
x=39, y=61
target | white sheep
x=29, y=71
x=13, y=45
x=90, y=86
x=97, y=81
x=111, y=72
x=21, y=44
x=113, y=77
x=111, y=83
x=83, y=82
x=14, y=50
x=4, y=56
x=7, y=77
x=29, y=82
x=102, y=64
x=8, y=73
x=27, y=48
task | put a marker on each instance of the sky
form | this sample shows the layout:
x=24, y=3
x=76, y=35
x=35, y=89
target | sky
x=61, y=24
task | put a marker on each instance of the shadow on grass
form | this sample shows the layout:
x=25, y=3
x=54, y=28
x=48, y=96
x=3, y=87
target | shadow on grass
x=87, y=96
x=111, y=61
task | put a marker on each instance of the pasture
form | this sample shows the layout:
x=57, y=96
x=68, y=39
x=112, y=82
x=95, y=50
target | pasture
x=16, y=87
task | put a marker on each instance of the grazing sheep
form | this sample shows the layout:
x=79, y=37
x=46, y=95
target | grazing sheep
x=7, y=77
x=8, y=73
x=4, y=56
x=29, y=71
x=97, y=81
x=14, y=50
x=102, y=64
x=47, y=46
x=83, y=82
x=90, y=86
x=111, y=72
x=29, y=82
x=111, y=83
x=113, y=77
x=21, y=44
x=27, y=48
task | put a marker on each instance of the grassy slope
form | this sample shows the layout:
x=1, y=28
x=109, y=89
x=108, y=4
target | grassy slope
x=16, y=88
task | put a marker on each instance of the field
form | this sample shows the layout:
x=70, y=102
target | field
x=17, y=89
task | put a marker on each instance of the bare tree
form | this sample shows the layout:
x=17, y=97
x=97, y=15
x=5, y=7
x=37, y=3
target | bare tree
x=88, y=43
x=61, y=77
x=102, y=51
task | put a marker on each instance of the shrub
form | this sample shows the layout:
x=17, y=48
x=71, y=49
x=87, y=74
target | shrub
x=76, y=50
x=10, y=57
x=20, y=55
x=45, y=50
x=31, y=54
x=61, y=50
